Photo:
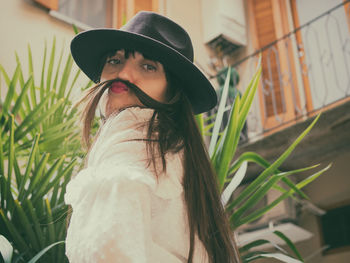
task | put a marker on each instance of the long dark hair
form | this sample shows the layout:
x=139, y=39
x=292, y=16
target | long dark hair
x=177, y=131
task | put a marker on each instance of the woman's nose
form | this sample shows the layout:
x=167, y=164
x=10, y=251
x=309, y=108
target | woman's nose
x=127, y=72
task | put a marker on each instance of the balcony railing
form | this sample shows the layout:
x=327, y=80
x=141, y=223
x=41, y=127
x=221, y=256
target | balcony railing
x=302, y=72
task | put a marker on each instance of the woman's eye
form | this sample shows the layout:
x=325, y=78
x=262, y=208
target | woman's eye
x=113, y=61
x=149, y=67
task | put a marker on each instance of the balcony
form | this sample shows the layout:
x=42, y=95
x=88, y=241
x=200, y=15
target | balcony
x=303, y=73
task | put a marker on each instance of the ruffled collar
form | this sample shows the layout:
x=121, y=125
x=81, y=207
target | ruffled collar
x=117, y=144
x=134, y=114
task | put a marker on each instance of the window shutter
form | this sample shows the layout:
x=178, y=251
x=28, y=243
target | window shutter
x=126, y=9
x=266, y=33
x=51, y=4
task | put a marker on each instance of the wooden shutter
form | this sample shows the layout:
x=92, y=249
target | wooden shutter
x=347, y=12
x=126, y=9
x=278, y=90
x=51, y=4
x=266, y=33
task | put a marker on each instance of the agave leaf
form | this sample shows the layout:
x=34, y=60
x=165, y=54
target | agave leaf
x=28, y=167
x=22, y=95
x=11, y=156
x=54, y=129
x=272, y=168
x=50, y=142
x=249, y=100
x=2, y=167
x=18, y=174
x=247, y=92
x=291, y=185
x=58, y=177
x=210, y=117
x=6, y=77
x=220, y=113
x=50, y=68
x=73, y=83
x=88, y=85
x=65, y=77
x=42, y=252
x=235, y=181
x=258, y=213
x=37, y=174
x=42, y=81
x=256, y=158
x=58, y=69
x=289, y=244
x=200, y=123
x=61, y=236
x=228, y=144
x=27, y=225
x=279, y=256
x=37, y=121
x=261, y=192
x=46, y=179
x=31, y=74
x=255, y=243
x=207, y=128
x=21, y=82
x=2, y=190
x=64, y=185
x=34, y=220
x=76, y=30
x=6, y=249
x=16, y=236
x=50, y=224
x=252, y=256
x=11, y=91
x=31, y=116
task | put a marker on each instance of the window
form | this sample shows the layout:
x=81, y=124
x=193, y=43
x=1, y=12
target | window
x=97, y=14
x=90, y=12
x=336, y=228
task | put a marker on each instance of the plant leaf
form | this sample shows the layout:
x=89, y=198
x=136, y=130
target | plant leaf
x=235, y=181
x=272, y=168
x=289, y=243
x=279, y=256
x=220, y=113
x=42, y=252
x=6, y=249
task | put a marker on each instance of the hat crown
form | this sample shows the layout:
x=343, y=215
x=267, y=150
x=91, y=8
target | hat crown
x=161, y=29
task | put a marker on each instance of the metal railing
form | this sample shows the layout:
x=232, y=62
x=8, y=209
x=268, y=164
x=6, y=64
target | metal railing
x=304, y=71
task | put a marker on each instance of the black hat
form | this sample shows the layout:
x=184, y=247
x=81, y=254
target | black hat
x=159, y=38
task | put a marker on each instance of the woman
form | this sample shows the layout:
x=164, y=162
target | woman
x=148, y=192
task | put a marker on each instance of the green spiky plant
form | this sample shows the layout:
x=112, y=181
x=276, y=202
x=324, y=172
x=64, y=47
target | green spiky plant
x=231, y=170
x=39, y=150
x=39, y=147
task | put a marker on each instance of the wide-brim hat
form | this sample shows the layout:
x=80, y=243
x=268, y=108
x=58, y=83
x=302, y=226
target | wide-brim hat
x=159, y=38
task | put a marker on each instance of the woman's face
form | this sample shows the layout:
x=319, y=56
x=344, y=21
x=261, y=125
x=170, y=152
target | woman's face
x=146, y=74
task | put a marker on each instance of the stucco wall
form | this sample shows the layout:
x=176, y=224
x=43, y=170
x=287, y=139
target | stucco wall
x=188, y=14
x=22, y=22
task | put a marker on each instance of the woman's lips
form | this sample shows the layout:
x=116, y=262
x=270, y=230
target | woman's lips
x=118, y=87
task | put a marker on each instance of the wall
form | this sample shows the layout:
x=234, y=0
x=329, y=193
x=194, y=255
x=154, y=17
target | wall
x=188, y=15
x=22, y=22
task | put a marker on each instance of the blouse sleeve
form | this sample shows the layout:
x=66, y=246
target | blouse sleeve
x=111, y=198
x=111, y=220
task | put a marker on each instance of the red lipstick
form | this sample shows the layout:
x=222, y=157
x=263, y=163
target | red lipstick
x=118, y=87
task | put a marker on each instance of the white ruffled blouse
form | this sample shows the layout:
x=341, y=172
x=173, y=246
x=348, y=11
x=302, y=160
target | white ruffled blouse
x=121, y=211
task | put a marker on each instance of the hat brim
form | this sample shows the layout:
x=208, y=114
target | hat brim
x=89, y=47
